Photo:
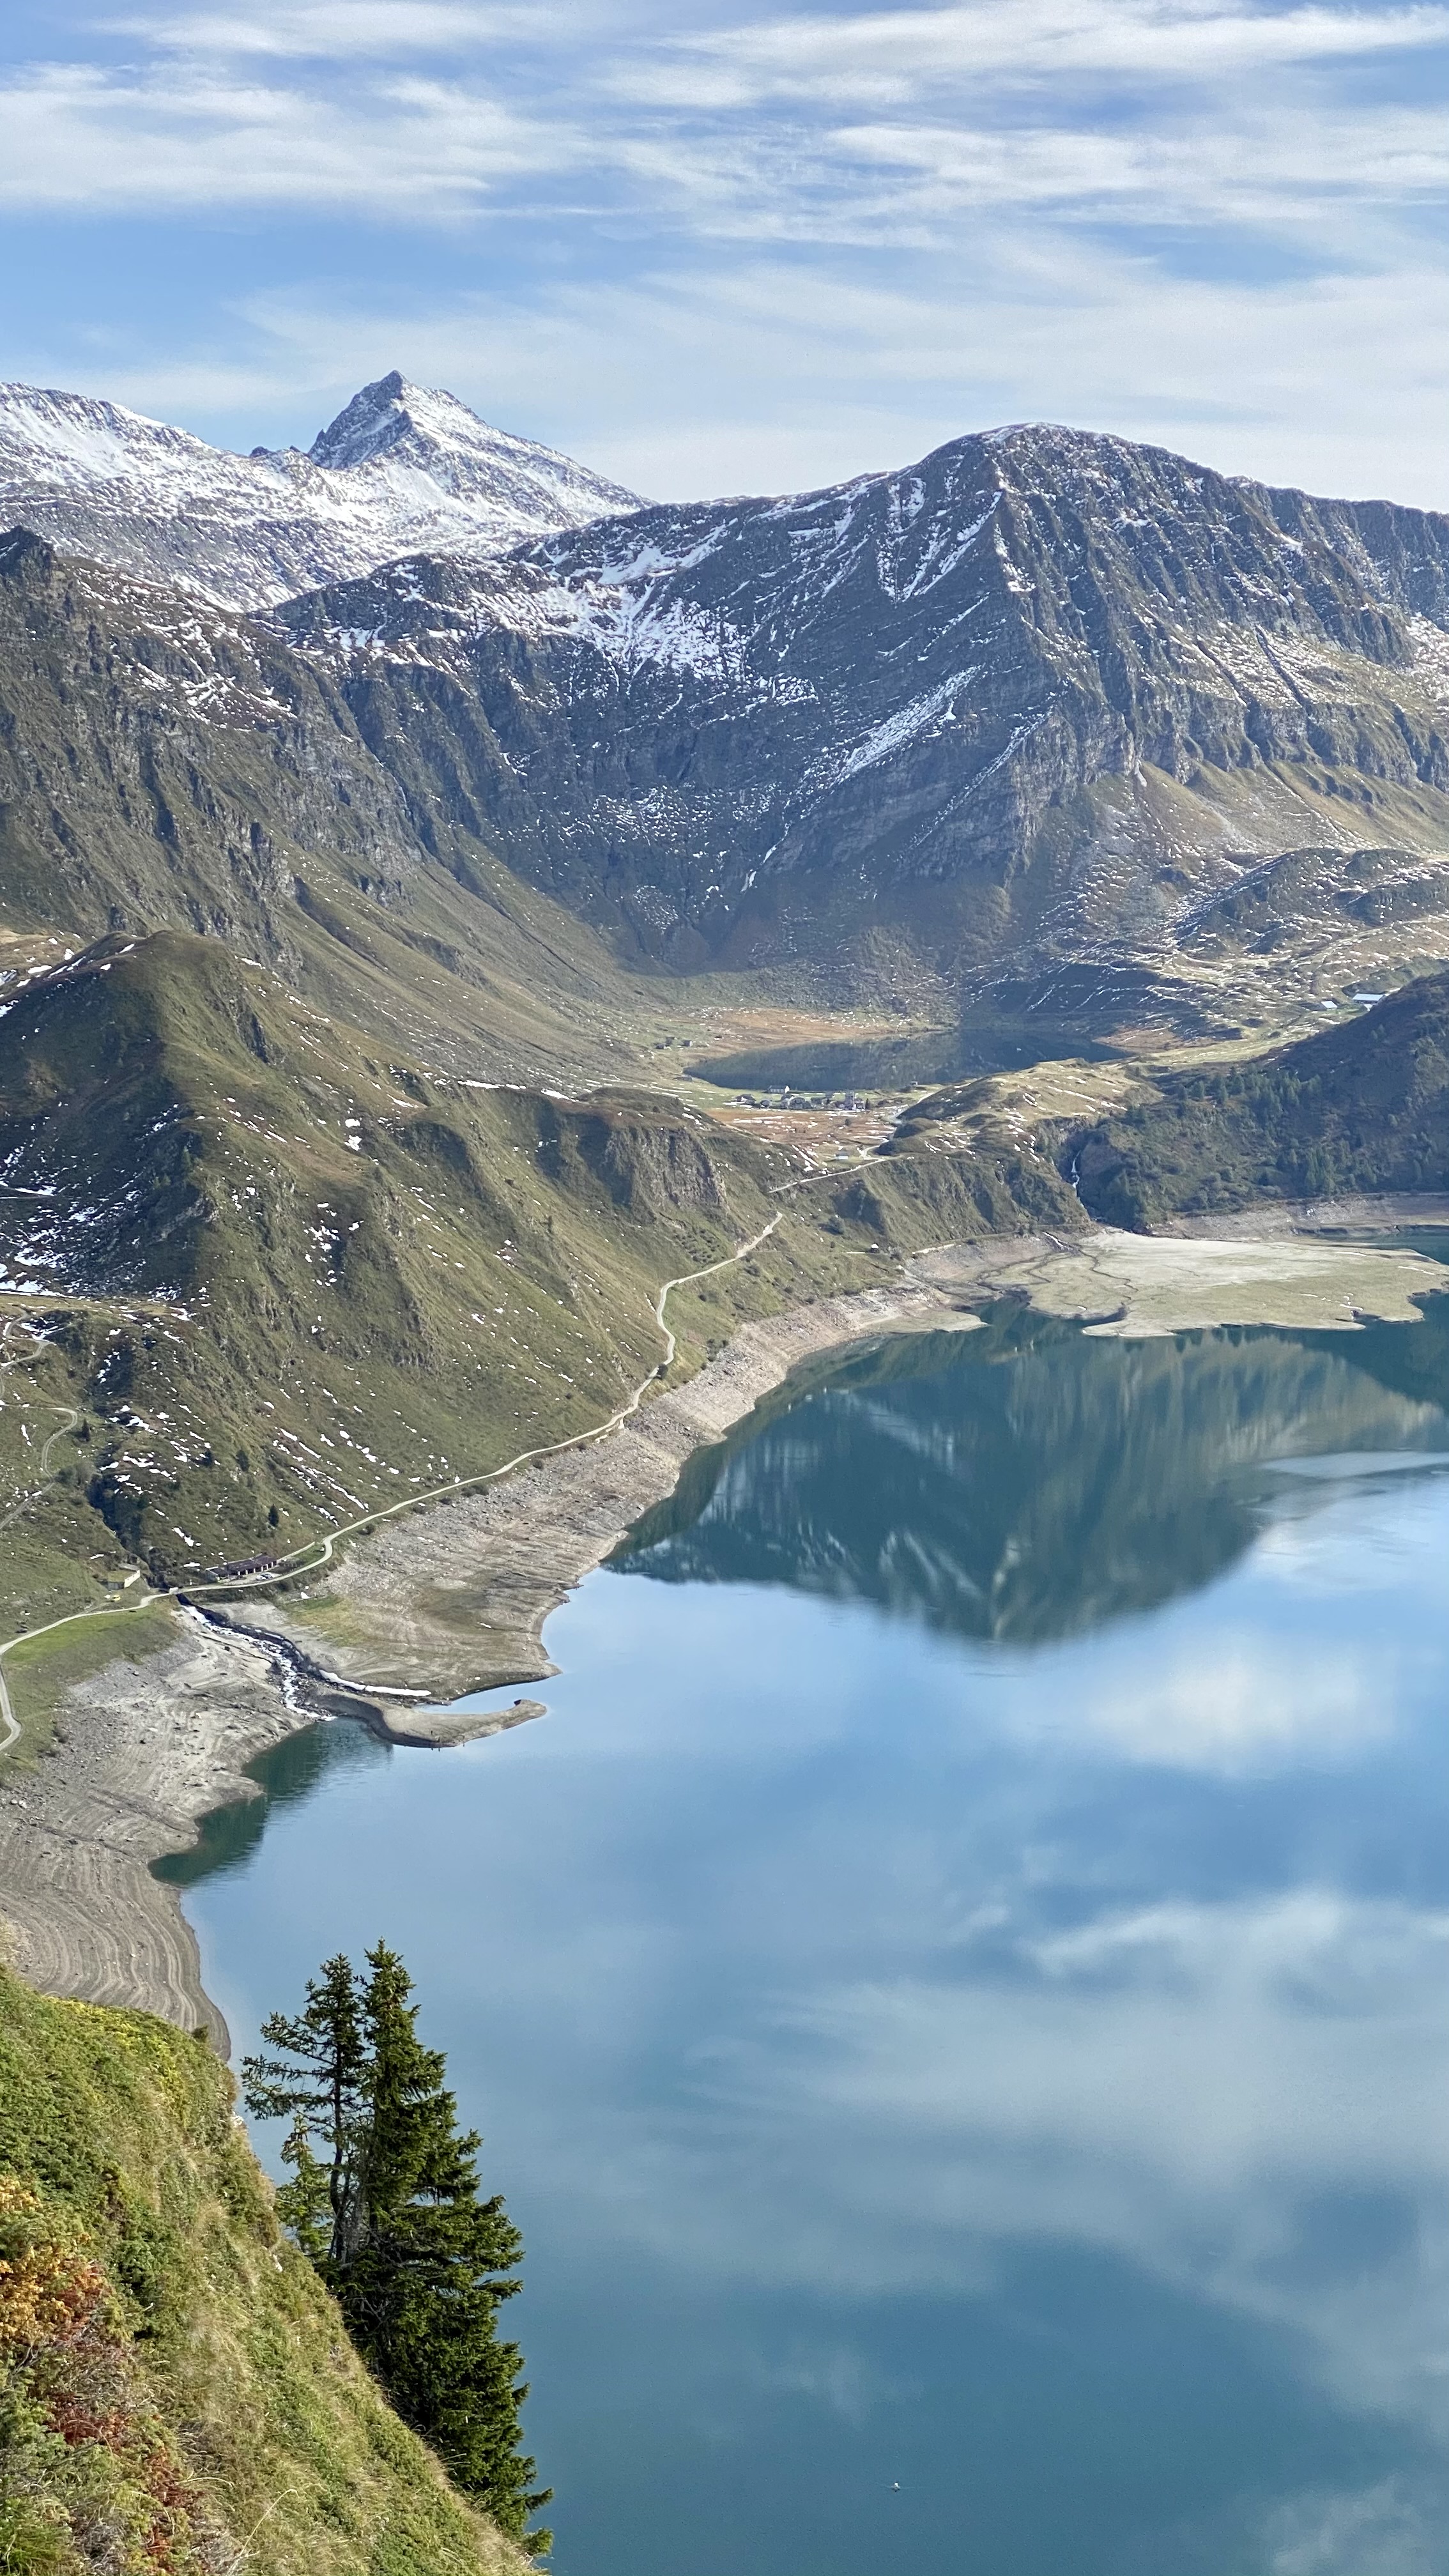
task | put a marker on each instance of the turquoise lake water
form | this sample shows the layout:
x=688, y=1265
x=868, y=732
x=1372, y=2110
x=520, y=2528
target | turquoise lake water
x=956, y=1990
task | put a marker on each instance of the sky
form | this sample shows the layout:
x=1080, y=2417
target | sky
x=712, y=247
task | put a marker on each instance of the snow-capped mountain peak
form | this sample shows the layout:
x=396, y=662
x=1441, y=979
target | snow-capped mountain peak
x=394, y=428
x=394, y=413
x=400, y=470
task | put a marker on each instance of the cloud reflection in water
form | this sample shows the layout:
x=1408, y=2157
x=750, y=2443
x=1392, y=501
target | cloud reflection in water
x=1033, y=2017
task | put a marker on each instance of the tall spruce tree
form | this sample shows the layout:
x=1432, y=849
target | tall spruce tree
x=390, y=2213
x=319, y=2082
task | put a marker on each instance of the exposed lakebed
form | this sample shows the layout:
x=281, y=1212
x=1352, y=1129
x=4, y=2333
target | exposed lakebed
x=957, y=1989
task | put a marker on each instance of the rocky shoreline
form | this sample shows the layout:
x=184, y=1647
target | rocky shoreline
x=454, y=1599
x=149, y=1748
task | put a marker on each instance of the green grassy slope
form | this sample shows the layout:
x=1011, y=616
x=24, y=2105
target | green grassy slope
x=301, y=1279
x=1361, y=1107
x=176, y=2389
x=266, y=1276
x=166, y=765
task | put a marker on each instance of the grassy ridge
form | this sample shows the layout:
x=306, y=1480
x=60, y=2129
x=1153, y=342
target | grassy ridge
x=1362, y=1107
x=304, y=1279
x=176, y=2389
x=277, y=1278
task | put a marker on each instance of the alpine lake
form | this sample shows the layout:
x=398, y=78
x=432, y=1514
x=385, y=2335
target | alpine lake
x=956, y=1990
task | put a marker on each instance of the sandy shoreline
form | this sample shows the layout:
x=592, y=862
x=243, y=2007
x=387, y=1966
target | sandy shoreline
x=150, y=1749
x=455, y=1598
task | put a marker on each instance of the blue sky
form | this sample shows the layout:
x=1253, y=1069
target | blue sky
x=712, y=247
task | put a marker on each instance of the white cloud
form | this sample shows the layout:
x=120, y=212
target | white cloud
x=1205, y=2092
x=74, y=136
x=1383, y=2530
x=812, y=243
x=892, y=55
x=341, y=30
x=684, y=132
x=1254, y=1709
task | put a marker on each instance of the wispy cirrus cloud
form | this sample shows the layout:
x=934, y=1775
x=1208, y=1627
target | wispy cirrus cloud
x=770, y=125
x=333, y=31
x=888, y=55
x=697, y=234
x=77, y=138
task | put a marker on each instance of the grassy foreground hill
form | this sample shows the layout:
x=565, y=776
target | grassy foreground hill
x=299, y=1279
x=176, y=2389
x=1362, y=1107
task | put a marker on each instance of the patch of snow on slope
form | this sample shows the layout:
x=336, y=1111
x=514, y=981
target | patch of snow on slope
x=892, y=734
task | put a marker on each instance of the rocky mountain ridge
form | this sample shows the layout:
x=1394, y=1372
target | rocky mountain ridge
x=1042, y=699
x=1049, y=736
x=400, y=468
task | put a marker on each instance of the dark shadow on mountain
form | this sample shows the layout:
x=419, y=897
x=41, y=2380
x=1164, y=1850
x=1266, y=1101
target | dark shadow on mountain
x=1066, y=1012
x=1026, y=1482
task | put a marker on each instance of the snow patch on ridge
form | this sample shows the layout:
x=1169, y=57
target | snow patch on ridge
x=892, y=733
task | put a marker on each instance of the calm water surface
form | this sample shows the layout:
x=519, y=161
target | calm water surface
x=957, y=1989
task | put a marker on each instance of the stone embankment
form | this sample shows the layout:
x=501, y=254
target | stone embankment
x=455, y=1599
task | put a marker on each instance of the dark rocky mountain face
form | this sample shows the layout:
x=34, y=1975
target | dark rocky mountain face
x=166, y=765
x=1049, y=737
x=1044, y=697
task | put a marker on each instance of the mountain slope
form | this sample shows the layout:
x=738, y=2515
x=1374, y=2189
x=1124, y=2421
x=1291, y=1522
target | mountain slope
x=264, y=1277
x=179, y=2390
x=400, y=468
x=165, y=764
x=1065, y=734
x=304, y=1278
x=1037, y=699
x=1358, y=1108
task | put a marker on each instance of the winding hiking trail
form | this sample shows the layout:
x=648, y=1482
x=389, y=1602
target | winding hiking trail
x=286, y=1571
x=102, y=1610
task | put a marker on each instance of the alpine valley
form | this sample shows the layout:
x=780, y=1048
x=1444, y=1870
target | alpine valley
x=418, y=857
x=495, y=976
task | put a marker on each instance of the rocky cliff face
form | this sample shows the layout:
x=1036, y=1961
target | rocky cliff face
x=169, y=765
x=1039, y=697
x=1065, y=734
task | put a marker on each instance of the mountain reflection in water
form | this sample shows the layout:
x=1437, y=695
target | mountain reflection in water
x=956, y=1991
x=1029, y=1482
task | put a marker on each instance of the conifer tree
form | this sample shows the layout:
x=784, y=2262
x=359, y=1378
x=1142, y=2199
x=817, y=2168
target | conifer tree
x=419, y=2263
x=324, y=2096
